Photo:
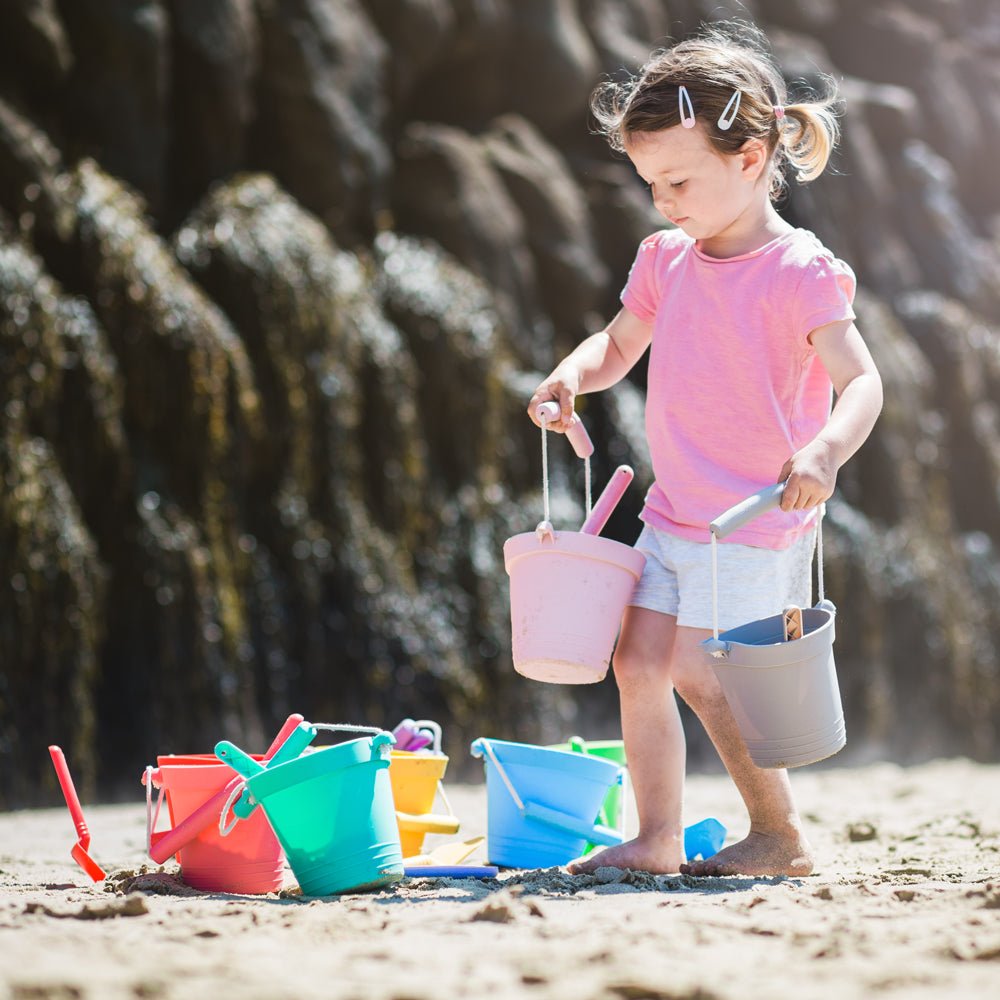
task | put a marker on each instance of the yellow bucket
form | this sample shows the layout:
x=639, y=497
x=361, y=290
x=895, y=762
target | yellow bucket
x=416, y=779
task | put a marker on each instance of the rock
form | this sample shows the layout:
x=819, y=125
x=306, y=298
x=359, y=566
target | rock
x=35, y=55
x=112, y=41
x=400, y=22
x=215, y=66
x=572, y=278
x=322, y=104
x=446, y=186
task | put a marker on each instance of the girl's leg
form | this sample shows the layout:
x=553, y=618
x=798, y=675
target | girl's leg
x=776, y=844
x=654, y=746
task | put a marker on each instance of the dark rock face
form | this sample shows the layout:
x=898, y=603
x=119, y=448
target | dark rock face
x=276, y=281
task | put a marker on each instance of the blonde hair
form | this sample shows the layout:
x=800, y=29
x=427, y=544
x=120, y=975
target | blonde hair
x=712, y=65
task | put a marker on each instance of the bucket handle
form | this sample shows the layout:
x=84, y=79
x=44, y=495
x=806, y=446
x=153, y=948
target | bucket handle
x=580, y=441
x=382, y=742
x=738, y=515
x=593, y=832
x=435, y=730
x=150, y=775
x=163, y=845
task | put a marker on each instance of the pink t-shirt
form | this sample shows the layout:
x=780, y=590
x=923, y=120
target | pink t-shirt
x=734, y=387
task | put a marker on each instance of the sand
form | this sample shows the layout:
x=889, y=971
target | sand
x=905, y=902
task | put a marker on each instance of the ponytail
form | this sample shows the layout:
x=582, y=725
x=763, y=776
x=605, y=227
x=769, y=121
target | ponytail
x=808, y=138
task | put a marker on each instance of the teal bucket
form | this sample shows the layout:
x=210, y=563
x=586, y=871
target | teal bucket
x=541, y=803
x=332, y=811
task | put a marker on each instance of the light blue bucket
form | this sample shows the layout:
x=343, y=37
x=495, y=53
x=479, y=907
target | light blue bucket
x=541, y=803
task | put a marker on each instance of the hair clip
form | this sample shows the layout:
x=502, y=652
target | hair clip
x=734, y=105
x=779, y=112
x=684, y=99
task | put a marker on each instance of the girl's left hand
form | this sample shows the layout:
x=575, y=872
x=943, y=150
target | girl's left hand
x=809, y=477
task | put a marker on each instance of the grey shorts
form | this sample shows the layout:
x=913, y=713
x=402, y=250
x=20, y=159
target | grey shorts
x=753, y=582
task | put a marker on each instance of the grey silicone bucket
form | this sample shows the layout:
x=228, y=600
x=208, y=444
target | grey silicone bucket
x=783, y=695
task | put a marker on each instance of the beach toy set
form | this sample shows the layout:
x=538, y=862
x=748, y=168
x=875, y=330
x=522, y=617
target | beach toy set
x=349, y=817
x=352, y=816
x=778, y=673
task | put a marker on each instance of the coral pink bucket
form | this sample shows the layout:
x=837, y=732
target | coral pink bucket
x=249, y=860
x=568, y=591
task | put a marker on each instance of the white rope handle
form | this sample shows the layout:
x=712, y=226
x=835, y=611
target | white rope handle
x=346, y=727
x=587, y=488
x=545, y=470
x=819, y=563
x=151, y=817
x=503, y=774
x=819, y=551
x=444, y=799
x=715, y=587
x=237, y=791
x=435, y=731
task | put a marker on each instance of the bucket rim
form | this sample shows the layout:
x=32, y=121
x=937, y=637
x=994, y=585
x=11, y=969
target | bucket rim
x=199, y=760
x=777, y=653
x=417, y=755
x=577, y=545
x=600, y=768
x=314, y=763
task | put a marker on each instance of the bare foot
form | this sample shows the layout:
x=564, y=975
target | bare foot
x=658, y=855
x=758, y=854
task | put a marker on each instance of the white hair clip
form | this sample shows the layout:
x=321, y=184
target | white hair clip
x=779, y=112
x=684, y=101
x=726, y=119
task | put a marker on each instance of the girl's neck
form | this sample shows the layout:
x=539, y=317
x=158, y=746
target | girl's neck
x=748, y=232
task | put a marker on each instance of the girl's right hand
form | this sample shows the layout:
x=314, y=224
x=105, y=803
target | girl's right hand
x=561, y=386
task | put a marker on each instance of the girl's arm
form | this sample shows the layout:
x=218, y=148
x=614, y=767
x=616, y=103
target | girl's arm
x=603, y=359
x=811, y=473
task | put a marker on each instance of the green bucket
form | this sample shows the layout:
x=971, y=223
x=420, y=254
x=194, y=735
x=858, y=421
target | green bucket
x=611, y=813
x=332, y=811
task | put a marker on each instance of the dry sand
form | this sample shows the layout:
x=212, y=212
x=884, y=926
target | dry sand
x=905, y=903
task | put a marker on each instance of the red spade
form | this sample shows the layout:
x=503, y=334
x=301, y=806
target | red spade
x=79, y=851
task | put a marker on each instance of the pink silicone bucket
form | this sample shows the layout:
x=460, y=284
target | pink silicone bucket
x=249, y=860
x=568, y=592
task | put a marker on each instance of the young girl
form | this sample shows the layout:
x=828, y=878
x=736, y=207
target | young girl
x=750, y=325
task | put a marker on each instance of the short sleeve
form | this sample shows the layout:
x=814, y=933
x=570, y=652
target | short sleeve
x=825, y=294
x=641, y=294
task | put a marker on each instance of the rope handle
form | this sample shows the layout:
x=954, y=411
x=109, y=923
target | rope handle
x=151, y=817
x=444, y=798
x=382, y=746
x=715, y=565
x=503, y=774
x=543, y=419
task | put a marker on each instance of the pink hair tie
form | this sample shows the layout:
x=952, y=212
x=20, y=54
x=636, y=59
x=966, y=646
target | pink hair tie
x=779, y=112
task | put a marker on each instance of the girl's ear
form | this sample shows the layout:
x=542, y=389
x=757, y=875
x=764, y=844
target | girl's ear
x=754, y=156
